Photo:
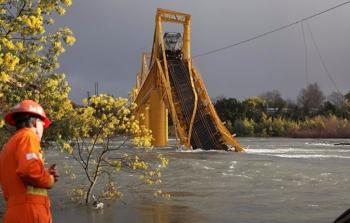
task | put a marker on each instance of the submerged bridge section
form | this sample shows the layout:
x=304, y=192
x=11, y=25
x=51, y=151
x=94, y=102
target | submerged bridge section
x=169, y=83
x=204, y=132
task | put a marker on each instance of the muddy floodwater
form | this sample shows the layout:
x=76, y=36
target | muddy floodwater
x=277, y=180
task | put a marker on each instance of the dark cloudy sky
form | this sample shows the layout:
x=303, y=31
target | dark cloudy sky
x=112, y=34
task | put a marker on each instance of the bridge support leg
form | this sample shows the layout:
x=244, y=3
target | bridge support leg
x=144, y=110
x=187, y=40
x=158, y=119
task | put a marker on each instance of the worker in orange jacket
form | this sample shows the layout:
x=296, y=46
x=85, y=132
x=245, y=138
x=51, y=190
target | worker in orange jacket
x=23, y=177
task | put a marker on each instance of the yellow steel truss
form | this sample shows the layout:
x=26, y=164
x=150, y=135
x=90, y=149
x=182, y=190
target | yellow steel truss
x=153, y=93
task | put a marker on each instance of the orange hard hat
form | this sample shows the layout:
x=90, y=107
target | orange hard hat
x=27, y=106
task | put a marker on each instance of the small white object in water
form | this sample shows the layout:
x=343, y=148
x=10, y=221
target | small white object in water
x=181, y=148
x=97, y=203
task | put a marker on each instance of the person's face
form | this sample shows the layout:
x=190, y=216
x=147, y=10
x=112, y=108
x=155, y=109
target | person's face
x=39, y=128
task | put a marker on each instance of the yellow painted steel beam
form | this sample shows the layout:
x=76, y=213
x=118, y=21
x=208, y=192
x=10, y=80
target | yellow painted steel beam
x=153, y=92
x=227, y=137
x=158, y=78
x=158, y=118
x=172, y=12
x=180, y=132
x=171, y=16
x=195, y=105
x=187, y=41
x=147, y=86
x=144, y=68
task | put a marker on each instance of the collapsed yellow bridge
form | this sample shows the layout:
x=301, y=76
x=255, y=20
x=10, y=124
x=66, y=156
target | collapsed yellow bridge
x=168, y=81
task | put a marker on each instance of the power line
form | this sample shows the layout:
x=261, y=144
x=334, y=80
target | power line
x=306, y=54
x=272, y=31
x=321, y=58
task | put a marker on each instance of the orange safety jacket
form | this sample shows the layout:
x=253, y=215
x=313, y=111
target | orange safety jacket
x=24, y=179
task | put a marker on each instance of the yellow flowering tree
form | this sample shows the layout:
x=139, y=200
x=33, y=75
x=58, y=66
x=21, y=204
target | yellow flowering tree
x=98, y=133
x=29, y=56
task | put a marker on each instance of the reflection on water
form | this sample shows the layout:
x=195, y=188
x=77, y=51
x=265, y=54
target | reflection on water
x=277, y=180
x=165, y=213
x=146, y=212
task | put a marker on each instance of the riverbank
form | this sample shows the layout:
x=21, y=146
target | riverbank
x=317, y=127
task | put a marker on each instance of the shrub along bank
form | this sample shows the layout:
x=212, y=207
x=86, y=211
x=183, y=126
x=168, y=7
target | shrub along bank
x=269, y=115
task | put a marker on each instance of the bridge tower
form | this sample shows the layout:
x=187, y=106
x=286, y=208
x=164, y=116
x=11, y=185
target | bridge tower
x=169, y=83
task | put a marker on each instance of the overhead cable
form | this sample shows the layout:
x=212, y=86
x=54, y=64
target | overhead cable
x=272, y=31
x=321, y=58
x=306, y=54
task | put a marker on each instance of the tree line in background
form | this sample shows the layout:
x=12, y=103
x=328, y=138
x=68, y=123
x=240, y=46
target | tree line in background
x=312, y=115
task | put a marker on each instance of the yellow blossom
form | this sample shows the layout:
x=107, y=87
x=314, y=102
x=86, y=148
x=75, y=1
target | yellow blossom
x=50, y=21
x=58, y=47
x=38, y=11
x=35, y=23
x=67, y=2
x=19, y=45
x=4, y=77
x=10, y=61
x=60, y=10
x=49, y=6
x=8, y=43
x=164, y=161
x=67, y=148
x=85, y=101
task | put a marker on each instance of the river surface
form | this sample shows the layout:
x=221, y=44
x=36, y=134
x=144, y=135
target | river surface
x=276, y=180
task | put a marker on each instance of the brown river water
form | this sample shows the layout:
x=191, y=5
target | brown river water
x=276, y=180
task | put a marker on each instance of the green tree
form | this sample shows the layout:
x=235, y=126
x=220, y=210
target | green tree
x=229, y=109
x=244, y=127
x=254, y=108
x=29, y=56
x=293, y=112
x=329, y=109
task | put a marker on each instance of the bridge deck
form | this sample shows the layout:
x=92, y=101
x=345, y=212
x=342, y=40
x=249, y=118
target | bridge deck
x=205, y=134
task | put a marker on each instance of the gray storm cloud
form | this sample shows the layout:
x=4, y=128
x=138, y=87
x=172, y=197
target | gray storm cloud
x=111, y=35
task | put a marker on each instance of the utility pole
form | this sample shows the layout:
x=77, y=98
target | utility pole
x=96, y=88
